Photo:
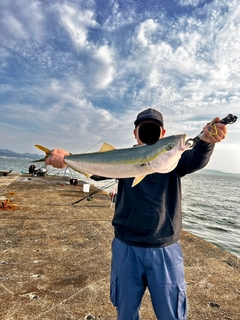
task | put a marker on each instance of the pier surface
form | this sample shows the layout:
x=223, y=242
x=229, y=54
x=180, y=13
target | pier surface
x=55, y=257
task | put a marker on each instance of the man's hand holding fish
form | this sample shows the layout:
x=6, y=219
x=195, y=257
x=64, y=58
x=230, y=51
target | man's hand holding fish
x=56, y=159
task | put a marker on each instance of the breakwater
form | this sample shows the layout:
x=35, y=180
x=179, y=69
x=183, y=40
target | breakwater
x=55, y=258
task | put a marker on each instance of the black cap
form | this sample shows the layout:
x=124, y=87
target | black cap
x=151, y=115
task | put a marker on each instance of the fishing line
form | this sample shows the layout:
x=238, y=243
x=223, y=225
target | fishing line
x=96, y=191
x=59, y=171
x=92, y=146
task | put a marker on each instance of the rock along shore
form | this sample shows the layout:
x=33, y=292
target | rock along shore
x=55, y=257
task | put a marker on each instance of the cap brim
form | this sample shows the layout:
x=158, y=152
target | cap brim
x=138, y=121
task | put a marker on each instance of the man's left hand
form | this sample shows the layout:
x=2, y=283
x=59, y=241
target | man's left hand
x=214, y=133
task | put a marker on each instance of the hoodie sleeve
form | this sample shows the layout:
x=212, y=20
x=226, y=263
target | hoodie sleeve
x=196, y=158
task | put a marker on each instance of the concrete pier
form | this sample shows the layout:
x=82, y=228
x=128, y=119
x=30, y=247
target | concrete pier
x=55, y=257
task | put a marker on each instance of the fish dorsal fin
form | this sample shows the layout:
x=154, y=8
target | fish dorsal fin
x=106, y=147
x=137, y=180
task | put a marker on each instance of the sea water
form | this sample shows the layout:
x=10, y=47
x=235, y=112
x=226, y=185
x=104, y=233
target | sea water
x=210, y=203
x=211, y=208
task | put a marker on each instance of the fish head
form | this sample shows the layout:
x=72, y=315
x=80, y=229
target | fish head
x=168, y=153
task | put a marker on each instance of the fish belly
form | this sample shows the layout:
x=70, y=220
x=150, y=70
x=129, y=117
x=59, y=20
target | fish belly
x=166, y=162
x=116, y=171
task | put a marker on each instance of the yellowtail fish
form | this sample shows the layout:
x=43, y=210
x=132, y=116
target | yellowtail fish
x=135, y=162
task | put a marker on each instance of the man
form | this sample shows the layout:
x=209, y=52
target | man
x=145, y=251
x=32, y=169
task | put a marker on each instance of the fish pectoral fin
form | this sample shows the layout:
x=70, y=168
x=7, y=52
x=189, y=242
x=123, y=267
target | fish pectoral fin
x=87, y=175
x=137, y=180
x=106, y=147
x=46, y=150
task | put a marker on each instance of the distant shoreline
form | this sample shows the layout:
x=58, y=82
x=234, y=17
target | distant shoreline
x=6, y=153
x=216, y=172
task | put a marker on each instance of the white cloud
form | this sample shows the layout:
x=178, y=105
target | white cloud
x=193, y=3
x=189, y=66
x=77, y=21
x=104, y=72
x=21, y=20
x=145, y=31
x=15, y=27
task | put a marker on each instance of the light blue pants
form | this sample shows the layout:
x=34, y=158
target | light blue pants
x=160, y=269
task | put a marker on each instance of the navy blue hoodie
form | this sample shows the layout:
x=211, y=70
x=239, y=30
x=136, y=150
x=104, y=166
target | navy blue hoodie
x=149, y=214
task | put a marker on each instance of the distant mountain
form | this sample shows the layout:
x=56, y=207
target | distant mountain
x=215, y=172
x=12, y=154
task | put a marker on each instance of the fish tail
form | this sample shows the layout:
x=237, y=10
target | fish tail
x=46, y=150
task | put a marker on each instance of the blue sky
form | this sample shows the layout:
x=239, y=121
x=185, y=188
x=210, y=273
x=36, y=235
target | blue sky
x=76, y=73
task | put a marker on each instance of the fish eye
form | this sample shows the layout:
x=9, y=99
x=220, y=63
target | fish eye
x=170, y=146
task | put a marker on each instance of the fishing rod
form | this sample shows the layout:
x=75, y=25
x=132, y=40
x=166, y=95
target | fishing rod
x=229, y=119
x=90, y=196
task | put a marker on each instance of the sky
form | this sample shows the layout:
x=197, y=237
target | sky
x=74, y=74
